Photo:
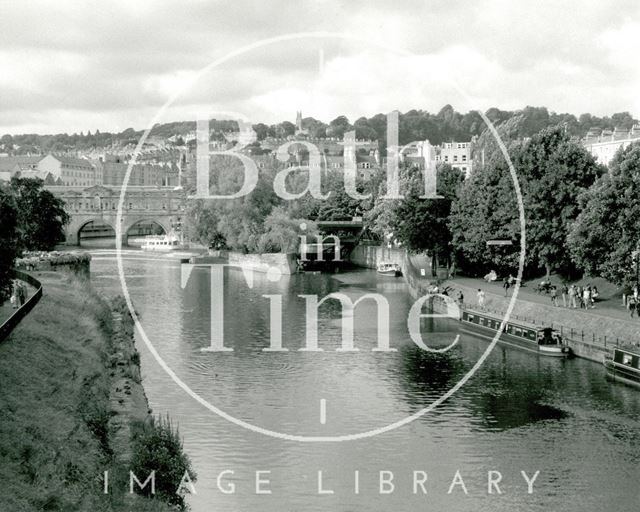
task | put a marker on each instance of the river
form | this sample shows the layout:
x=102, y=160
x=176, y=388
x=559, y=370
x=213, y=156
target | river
x=519, y=412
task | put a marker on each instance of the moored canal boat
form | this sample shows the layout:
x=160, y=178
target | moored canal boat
x=545, y=341
x=624, y=365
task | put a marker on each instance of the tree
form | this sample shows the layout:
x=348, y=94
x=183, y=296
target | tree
x=202, y=224
x=8, y=241
x=476, y=217
x=556, y=171
x=607, y=231
x=285, y=129
x=338, y=127
x=419, y=224
x=282, y=233
x=41, y=215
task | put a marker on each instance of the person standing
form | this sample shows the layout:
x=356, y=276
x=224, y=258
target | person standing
x=554, y=296
x=565, y=292
x=586, y=297
x=22, y=294
x=572, y=296
x=480, y=298
x=14, y=294
x=506, y=284
x=579, y=295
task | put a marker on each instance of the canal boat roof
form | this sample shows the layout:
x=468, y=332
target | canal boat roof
x=521, y=325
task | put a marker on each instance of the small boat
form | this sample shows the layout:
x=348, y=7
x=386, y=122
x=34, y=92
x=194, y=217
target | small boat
x=162, y=243
x=624, y=365
x=545, y=341
x=389, y=269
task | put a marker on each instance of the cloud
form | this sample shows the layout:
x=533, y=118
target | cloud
x=67, y=66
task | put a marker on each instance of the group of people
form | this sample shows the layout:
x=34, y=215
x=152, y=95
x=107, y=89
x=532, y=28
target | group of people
x=18, y=294
x=575, y=296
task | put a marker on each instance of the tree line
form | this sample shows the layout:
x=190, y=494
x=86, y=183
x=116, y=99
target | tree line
x=443, y=126
x=580, y=216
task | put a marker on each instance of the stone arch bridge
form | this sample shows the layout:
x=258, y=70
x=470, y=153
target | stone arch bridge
x=163, y=206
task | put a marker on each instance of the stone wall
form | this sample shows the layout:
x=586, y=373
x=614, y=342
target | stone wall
x=286, y=263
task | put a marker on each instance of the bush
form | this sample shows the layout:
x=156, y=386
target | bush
x=156, y=446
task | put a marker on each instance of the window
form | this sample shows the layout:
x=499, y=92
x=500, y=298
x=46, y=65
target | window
x=464, y=158
x=455, y=158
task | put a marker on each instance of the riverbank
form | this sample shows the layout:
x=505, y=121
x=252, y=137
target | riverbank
x=58, y=369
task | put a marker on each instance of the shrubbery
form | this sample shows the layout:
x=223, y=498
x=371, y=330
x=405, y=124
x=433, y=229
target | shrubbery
x=156, y=446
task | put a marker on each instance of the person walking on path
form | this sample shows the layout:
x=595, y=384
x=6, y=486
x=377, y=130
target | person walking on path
x=554, y=296
x=22, y=294
x=506, y=284
x=460, y=299
x=565, y=292
x=480, y=298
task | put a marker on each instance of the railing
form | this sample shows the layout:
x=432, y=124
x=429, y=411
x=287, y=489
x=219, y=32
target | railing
x=570, y=334
x=22, y=311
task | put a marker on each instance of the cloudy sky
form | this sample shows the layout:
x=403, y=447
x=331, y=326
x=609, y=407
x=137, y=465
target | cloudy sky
x=72, y=66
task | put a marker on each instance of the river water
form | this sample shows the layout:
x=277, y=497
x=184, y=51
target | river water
x=519, y=412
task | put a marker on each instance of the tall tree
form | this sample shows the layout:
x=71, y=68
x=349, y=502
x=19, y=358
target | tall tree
x=607, y=231
x=8, y=241
x=41, y=215
x=556, y=172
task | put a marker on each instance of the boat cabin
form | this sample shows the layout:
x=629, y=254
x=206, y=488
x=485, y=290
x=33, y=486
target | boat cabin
x=627, y=357
x=544, y=336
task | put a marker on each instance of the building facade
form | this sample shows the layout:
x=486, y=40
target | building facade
x=603, y=146
x=456, y=154
x=70, y=171
x=113, y=171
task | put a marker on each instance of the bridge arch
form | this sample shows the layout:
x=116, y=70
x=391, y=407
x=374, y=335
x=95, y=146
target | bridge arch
x=87, y=222
x=128, y=223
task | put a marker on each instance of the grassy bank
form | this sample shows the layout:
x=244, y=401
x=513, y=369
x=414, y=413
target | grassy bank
x=56, y=404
